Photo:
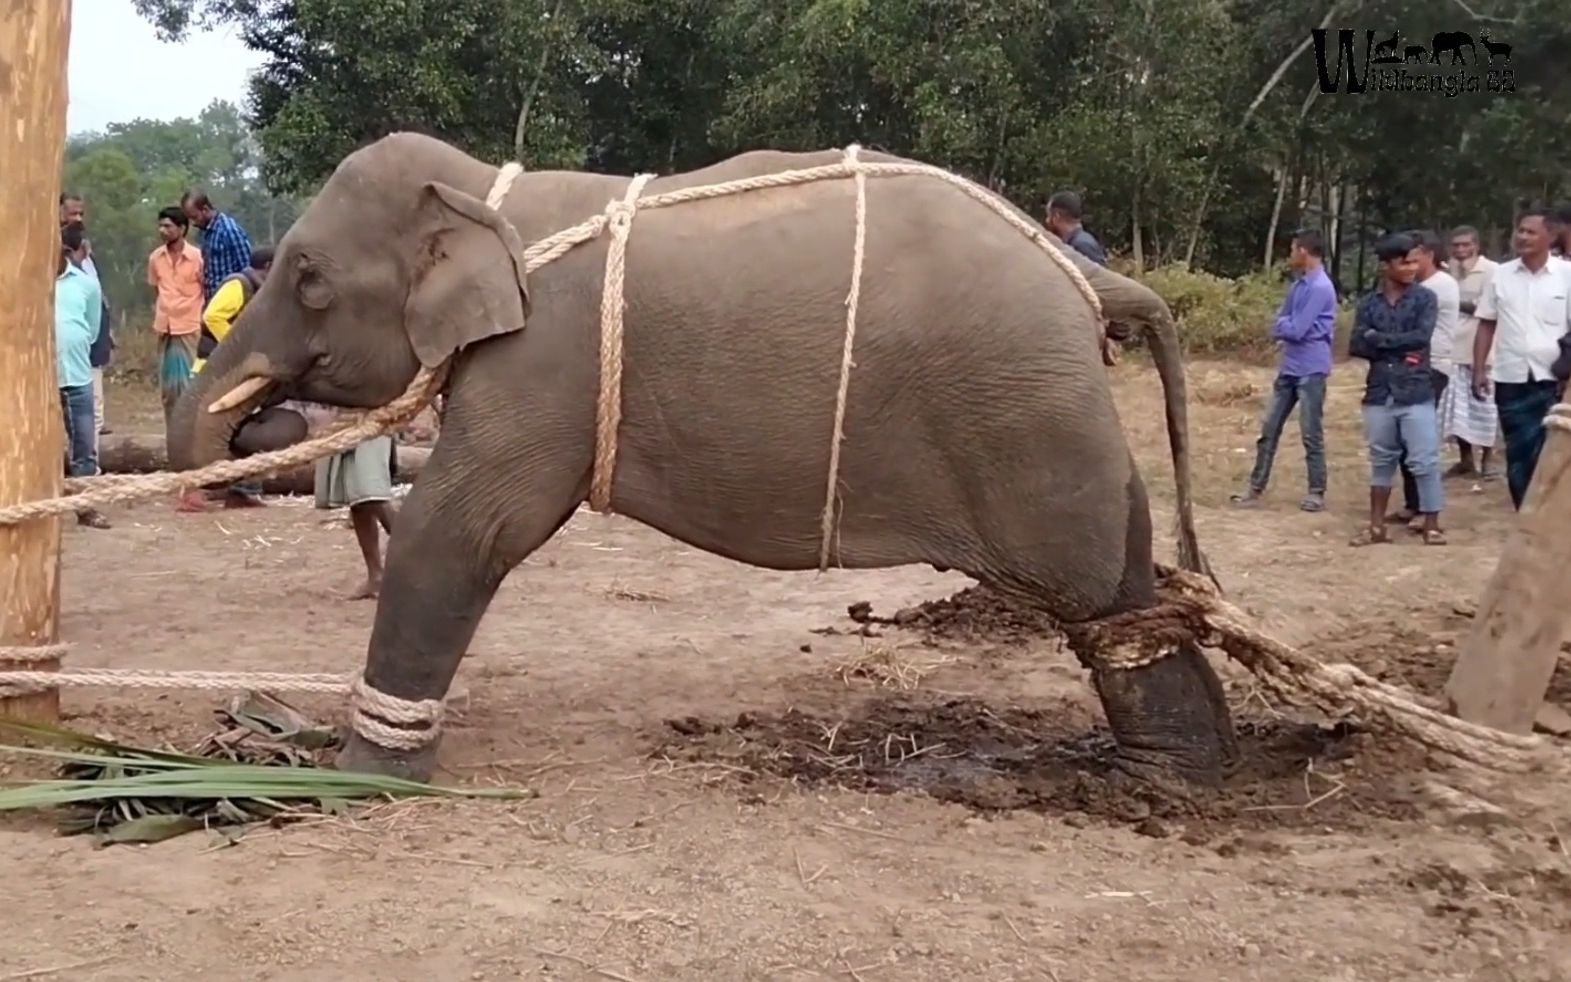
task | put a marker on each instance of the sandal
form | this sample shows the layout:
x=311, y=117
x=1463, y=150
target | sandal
x=1434, y=537
x=1369, y=536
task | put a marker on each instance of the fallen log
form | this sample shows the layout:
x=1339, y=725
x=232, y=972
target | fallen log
x=142, y=453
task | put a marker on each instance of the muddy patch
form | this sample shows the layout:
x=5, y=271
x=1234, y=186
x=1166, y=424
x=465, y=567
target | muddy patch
x=974, y=614
x=998, y=759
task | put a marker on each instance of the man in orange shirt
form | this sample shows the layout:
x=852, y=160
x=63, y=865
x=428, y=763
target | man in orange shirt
x=174, y=270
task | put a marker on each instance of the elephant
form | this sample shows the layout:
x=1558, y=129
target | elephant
x=980, y=434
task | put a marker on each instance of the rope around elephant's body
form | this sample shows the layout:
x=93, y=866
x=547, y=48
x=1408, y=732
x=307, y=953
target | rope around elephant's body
x=114, y=489
x=608, y=407
x=827, y=527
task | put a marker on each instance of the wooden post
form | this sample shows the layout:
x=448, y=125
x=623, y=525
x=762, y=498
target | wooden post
x=1504, y=667
x=34, y=39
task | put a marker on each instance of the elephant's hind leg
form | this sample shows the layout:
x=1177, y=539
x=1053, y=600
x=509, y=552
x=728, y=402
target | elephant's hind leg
x=470, y=519
x=1170, y=716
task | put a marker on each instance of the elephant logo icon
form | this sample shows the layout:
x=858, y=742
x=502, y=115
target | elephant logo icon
x=1453, y=42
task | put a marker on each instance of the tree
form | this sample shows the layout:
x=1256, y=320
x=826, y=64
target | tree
x=131, y=170
x=1195, y=128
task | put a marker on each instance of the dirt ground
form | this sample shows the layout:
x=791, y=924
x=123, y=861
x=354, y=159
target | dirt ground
x=737, y=782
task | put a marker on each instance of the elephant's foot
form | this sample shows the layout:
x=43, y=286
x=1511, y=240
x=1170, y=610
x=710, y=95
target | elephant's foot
x=1170, y=720
x=361, y=756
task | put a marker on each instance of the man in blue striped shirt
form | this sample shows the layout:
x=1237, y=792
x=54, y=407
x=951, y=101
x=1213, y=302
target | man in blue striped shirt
x=226, y=249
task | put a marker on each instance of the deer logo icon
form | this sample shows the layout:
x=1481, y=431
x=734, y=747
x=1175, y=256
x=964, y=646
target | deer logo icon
x=1495, y=48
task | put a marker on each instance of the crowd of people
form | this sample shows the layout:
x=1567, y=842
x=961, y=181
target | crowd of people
x=1459, y=348
x=199, y=291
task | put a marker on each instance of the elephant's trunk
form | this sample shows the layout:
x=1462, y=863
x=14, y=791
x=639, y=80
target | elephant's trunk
x=198, y=437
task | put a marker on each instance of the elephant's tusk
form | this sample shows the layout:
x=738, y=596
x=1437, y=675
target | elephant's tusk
x=238, y=395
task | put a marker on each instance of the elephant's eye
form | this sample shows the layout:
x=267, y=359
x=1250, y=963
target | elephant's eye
x=311, y=285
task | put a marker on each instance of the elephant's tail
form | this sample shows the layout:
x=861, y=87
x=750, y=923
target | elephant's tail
x=1162, y=337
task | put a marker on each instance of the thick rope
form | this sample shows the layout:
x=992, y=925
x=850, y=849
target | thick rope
x=1190, y=609
x=394, y=723
x=827, y=532
x=27, y=682
x=505, y=176
x=608, y=407
x=427, y=382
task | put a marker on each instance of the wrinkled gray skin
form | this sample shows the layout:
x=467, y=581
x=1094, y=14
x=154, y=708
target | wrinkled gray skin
x=981, y=434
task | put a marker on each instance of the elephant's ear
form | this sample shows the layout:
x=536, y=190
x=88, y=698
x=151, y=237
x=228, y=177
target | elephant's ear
x=468, y=276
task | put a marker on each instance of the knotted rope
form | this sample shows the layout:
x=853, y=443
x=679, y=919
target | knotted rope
x=1191, y=609
x=608, y=407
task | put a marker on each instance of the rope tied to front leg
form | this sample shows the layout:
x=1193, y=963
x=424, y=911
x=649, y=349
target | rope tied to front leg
x=394, y=723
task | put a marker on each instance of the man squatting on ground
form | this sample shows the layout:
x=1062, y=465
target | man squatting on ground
x=1304, y=328
x=1391, y=331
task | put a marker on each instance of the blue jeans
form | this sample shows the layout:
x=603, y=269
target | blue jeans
x=1412, y=432
x=81, y=430
x=1309, y=393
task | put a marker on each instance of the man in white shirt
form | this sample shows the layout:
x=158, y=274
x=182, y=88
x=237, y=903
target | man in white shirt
x=1470, y=421
x=1524, y=312
x=1427, y=257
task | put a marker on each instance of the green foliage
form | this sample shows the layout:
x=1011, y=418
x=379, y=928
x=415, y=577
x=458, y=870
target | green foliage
x=131, y=170
x=1218, y=315
x=1183, y=122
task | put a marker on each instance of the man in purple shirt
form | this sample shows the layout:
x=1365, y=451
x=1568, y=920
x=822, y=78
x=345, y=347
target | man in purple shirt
x=1305, y=325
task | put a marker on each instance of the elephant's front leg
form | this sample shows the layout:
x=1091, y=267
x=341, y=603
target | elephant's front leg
x=466, y=523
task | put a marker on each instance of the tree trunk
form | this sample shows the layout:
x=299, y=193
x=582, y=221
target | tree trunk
x=143, y=453
x=1276, y=217
x=1136, y=246
x=521, y=128
x=1221, y=152
x=33, y=41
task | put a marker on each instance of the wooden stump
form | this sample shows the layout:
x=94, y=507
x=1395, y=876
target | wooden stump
x=33, y=43
x=1503, y=668
x=143, y=453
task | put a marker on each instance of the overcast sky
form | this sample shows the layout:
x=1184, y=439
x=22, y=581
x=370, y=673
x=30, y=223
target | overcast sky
x=120, y=70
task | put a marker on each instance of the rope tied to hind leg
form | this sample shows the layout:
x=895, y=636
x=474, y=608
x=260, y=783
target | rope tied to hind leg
x=1190, y=609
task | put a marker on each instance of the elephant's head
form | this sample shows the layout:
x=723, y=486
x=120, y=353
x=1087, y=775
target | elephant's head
x=396, y=264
